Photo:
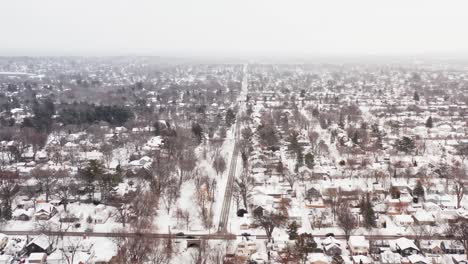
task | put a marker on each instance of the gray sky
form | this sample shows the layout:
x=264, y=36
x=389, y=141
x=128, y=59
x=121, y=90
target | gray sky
x=237, y=27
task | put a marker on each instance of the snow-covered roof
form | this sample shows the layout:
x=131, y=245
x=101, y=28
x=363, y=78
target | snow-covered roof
x=423, y=216
x=417, y=258
x=41, y=241
x=405, y=243
x=358, y=241
x=36, y=257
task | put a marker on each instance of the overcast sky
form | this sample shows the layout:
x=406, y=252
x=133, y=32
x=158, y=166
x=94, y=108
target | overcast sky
x=237, y=27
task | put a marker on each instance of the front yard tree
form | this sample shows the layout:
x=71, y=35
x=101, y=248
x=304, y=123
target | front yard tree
x=459, y=175
x=395, y=192
x=305, y=244
x=219, y=164
x=309, y=160
x=244, y=187
x=429, y=123
x=346, y=220
x=230, y=117
x=8, y=190
x=292, y=230
x=418, y=190
x=197, y=131
x=45, y=178
x=269, y=221
x=405, y=144
x=367, y=211
x=459, y=232
x=91, y=173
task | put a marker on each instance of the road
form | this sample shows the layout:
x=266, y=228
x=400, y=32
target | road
x=224, y=217
x=218, y=236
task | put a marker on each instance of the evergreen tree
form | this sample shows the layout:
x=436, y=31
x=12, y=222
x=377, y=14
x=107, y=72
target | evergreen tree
x=367, y=211
x=157, y=128
x=416, y=96
x=341, y=123
x=300, y=157
x=305, y=244
x=292, y=231
x=302, y=93
x=197, y=131
x=355, y=138
x=91, y=173
x=405, y=144
x=6, y=212
x=230, y=117
x=394, y=192
x=429, y=123
x=309, y=160
x=418, y=190
x=293, y=141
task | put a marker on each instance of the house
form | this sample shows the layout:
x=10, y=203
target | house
x=452, y=247
x=37, y=258
x=423, y=217
x=358, y=245
x=313, y=194
x=101, y=214
x=403, y=220
x=331, y=246
x=246, y=248
x=22, y=214
x=258, y=212
x=405, y=247
x=360, y=259
x=431, y=247
x=45, y=211
x=417, y=259
x=317, y=258
x=389, y=257
x=259, y=257
x=40, y=244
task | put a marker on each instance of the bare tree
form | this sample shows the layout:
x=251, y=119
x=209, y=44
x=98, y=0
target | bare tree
x=169, y=197
x=219, y=164
x=244, y=186
x=107, y=151
x=346, y=220
x=161, y=175
x=269, y=221
x=287, y=255
x=140, y=248
x=421, y=231
x=291, y=178
x=459, y=175
x=74, y=245
x=46, y=180
x=335, y=199
x=8, y=189
x=459, y=232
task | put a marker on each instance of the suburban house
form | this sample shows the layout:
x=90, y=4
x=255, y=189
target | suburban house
x=331, y=246
x=405, y=247
x=358, y=245
x=40, y=244
x=417, y=259
x=39, y=258
x=45, y=211
x=22, y=214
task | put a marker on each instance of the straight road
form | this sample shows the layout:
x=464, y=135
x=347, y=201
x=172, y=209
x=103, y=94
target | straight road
x=224, y=217
x=218, y=236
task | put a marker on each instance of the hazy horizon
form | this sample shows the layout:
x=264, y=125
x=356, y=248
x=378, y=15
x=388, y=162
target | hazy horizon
x=209, y=28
